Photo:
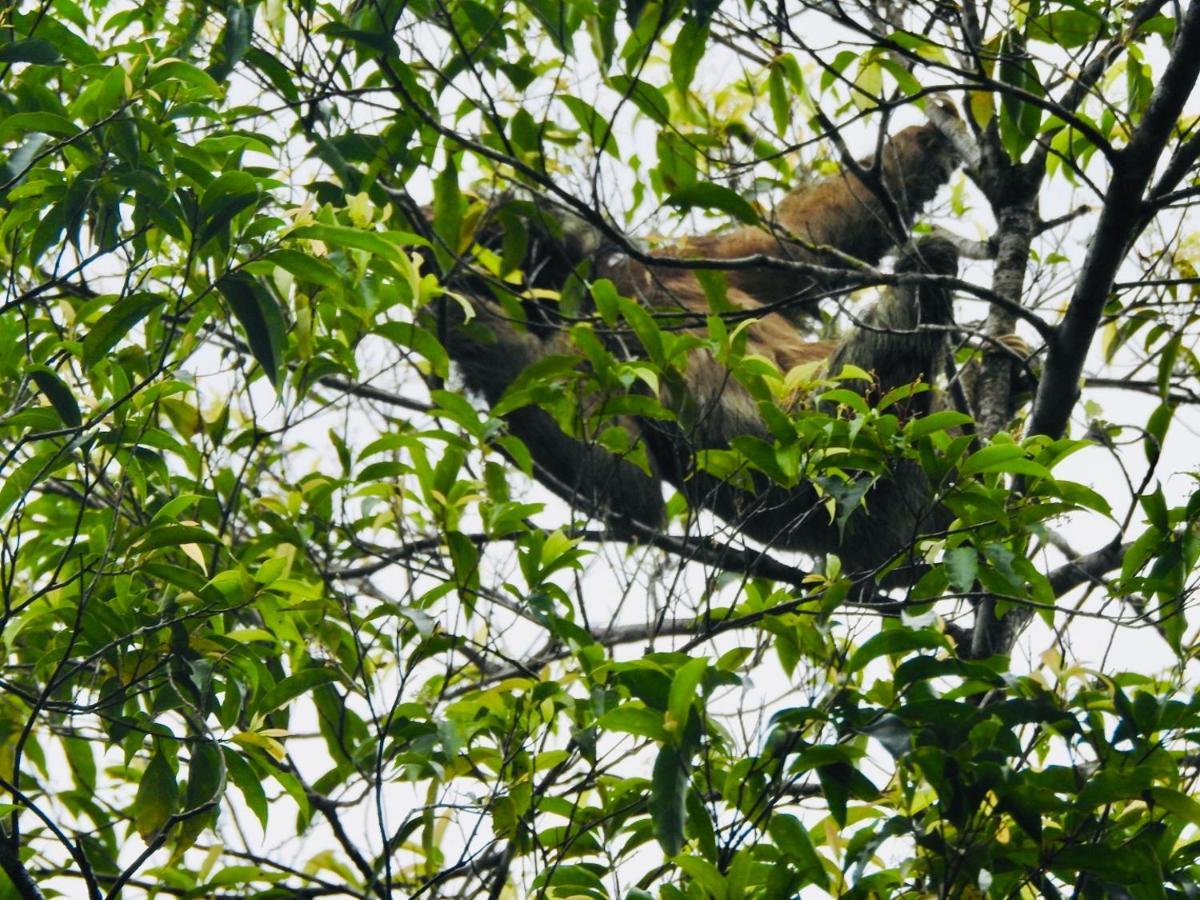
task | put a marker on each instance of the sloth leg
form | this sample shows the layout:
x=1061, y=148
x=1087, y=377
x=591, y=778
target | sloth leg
x=492, y=353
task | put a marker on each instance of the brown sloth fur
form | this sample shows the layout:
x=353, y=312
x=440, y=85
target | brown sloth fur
x=492, y=352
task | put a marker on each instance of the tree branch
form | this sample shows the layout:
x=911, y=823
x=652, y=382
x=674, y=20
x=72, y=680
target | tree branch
x=77, y=854
x=1088, y=568
x=10, y=862
x=1118, y=226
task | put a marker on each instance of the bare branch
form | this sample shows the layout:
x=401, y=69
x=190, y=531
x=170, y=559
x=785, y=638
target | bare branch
x=1087, y=569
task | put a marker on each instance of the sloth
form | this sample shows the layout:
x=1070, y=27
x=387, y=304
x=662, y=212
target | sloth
x=827, y=222
x=902, y=339
x=824, y=222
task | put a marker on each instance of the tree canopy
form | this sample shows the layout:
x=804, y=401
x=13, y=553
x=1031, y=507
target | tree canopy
x=286, y=611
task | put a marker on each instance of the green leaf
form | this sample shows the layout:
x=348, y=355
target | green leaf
x=185, y=73
x=1142, y=549
x=82, y=761
x=792, y=839
x=448, y=209
x=234, y=40
x=1002, y=458
x=868, y=82
x=644, y=327
x=597, y=127
x=235, y=875
x=703, y=873
x=559, y=21
x=226, y=195
x=1067, y=27
x=839, y=65
x=603, y=27
x=36, y=122
x=1155, y=506
x=1166, y=363
x=1156, y=429
x=707, y=195
x=668, y=795
x=604, y=292
x=55, y=30
x=58, y=394
x=205, y=786
x=938, y=421
x=1161, y=25
x=157, y=794
x=895, y=641
x=173, y=536
x=1177, y=804
x=687, y=52
x=1130, y=865
x=260, y=317
x=307, y=268
x=684, y=688
x=1173, y=620
x=1084, y=496
x=30, y=50
x=962, y=566
x=1019, y=119
x=777, y=92
x=845, y=397
x=242, y=774
x=18, y=482
x=293, y=686
x=385, y=244
x=116, y=323
x=645, y=97
x=904, y=78
x=636, y=720
x=412, y=336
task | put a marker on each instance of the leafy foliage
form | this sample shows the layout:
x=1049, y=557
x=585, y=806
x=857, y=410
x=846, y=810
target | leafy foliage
x=283, y=614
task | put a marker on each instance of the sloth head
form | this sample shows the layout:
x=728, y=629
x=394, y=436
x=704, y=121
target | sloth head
x=918, y=161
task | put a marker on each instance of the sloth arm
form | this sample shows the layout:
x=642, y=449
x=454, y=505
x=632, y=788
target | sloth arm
x=492, y=353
